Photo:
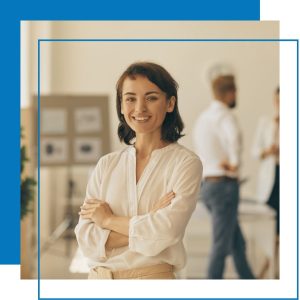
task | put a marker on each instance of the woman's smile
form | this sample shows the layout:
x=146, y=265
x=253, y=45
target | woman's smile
x=141, y=119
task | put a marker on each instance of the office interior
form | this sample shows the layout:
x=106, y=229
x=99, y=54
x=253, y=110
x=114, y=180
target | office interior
x=78, y=62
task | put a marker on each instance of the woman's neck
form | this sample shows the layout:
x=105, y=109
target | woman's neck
x=145, y=144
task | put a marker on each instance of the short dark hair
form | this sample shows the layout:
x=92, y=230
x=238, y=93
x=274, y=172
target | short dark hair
x=277, y=91
x=223, y=84
x=172, y=125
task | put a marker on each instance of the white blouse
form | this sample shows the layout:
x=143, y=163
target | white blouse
x=267, y=134
x=154, y=238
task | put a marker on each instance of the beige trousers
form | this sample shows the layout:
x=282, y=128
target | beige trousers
x=163, y=271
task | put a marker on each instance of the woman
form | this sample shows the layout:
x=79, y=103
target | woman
x=266, y=148
x=140, y=199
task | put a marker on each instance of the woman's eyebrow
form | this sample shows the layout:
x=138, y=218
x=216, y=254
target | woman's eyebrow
x=129, y=93
x=152, y=92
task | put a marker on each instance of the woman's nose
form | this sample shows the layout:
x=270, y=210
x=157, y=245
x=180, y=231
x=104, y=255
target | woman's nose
x=140, y=106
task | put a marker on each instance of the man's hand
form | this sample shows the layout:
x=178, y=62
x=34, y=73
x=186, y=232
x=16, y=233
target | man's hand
x=97, y=210
x=228, y=167
x=163, y=202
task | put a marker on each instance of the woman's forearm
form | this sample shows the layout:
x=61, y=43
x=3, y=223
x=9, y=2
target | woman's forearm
x=117, y=224
x=121, y=224
x=101, y=214
x=116, y=240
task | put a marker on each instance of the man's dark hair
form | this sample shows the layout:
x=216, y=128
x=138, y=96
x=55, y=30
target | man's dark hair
x=172, y=126
x=223, y=84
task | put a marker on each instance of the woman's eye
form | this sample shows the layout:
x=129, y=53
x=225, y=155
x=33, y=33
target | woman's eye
x=131, y=99
x=152, y=98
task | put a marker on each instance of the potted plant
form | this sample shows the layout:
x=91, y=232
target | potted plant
x=27, y=185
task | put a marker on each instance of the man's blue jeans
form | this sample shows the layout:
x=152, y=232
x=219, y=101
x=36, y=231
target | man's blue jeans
x=222, y=198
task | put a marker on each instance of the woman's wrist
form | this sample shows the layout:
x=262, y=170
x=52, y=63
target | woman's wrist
x=117, y=224
x=107, y=222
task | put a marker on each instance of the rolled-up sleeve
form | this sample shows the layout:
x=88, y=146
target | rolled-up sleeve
x=152, y=233
x=90, y=237
x=91, y=240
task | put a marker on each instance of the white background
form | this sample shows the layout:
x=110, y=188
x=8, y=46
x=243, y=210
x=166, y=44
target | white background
x=13, y=288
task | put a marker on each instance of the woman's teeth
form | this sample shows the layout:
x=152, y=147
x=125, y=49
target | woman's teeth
x=141, y=118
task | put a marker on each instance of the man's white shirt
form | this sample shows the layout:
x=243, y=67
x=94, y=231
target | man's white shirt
x=217, y=138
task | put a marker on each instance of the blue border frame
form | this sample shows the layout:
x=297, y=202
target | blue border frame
x=164, y=40
x=213, y=10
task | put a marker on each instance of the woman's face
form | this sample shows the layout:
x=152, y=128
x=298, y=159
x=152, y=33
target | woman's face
x=144, y=105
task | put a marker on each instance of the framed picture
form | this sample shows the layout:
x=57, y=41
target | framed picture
x=74, y=129
x=54, y=150
x=87, y=149
x=53, y=121
x=87, y=119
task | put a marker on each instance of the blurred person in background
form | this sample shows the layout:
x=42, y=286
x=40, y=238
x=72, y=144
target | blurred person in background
x=140, y=199
x=266, y=148
x=218, y=142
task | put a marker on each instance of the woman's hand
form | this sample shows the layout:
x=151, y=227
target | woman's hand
x=163, y=202
x=97, y=210
x=272, y=150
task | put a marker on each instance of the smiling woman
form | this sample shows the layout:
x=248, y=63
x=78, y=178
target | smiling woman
x=142, y=84
x=139, y=200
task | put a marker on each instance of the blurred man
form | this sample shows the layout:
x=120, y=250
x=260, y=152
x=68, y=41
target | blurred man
x=218, y=143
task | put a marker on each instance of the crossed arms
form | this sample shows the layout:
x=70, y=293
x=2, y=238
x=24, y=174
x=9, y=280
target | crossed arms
x=99, y=212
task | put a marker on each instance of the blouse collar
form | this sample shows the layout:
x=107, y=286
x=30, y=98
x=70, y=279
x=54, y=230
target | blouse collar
x=155, y=152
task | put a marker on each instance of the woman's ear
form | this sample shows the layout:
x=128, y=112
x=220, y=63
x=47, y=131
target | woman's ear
x=171, y=104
